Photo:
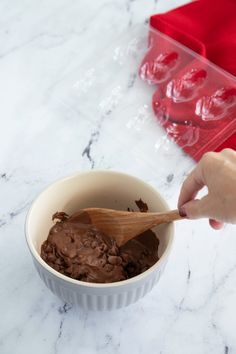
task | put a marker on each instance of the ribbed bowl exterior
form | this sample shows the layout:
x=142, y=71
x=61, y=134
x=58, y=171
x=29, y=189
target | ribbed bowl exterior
x=104, y=189
x=100, y=299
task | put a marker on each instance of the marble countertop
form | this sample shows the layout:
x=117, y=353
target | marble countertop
x=191, y=310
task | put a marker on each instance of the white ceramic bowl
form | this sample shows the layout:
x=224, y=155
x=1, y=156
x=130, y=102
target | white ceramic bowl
x=95, y=189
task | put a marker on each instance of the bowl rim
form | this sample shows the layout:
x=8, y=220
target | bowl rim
x=65, y=278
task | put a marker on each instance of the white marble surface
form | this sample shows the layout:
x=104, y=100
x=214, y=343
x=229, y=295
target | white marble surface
x=192, y=309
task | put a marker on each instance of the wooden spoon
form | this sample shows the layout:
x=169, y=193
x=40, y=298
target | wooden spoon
x=125, y=225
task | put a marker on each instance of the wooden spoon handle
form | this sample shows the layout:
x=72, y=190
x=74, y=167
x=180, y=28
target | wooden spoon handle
x=169, y=216
x=158, y=218
x=124, y=225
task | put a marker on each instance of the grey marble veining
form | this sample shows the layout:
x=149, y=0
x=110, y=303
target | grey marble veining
x=191, y=310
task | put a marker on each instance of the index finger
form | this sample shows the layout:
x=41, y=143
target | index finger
x=192, y=185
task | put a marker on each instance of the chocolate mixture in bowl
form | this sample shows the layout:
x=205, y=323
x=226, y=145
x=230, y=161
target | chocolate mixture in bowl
x=77, y=249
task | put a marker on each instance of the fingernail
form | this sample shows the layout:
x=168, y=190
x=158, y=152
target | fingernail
x=182, y=212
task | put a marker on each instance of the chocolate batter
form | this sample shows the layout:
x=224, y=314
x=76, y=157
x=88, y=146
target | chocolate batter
x=79, y=250
x=143, y=207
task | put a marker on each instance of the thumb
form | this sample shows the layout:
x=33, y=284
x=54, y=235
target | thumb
x=196, y=209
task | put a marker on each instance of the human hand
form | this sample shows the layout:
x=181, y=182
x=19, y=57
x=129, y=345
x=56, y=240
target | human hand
x=216, y=171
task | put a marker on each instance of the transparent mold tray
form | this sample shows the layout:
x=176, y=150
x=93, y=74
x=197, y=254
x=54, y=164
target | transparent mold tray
x=195, y=101
x=153, y=101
